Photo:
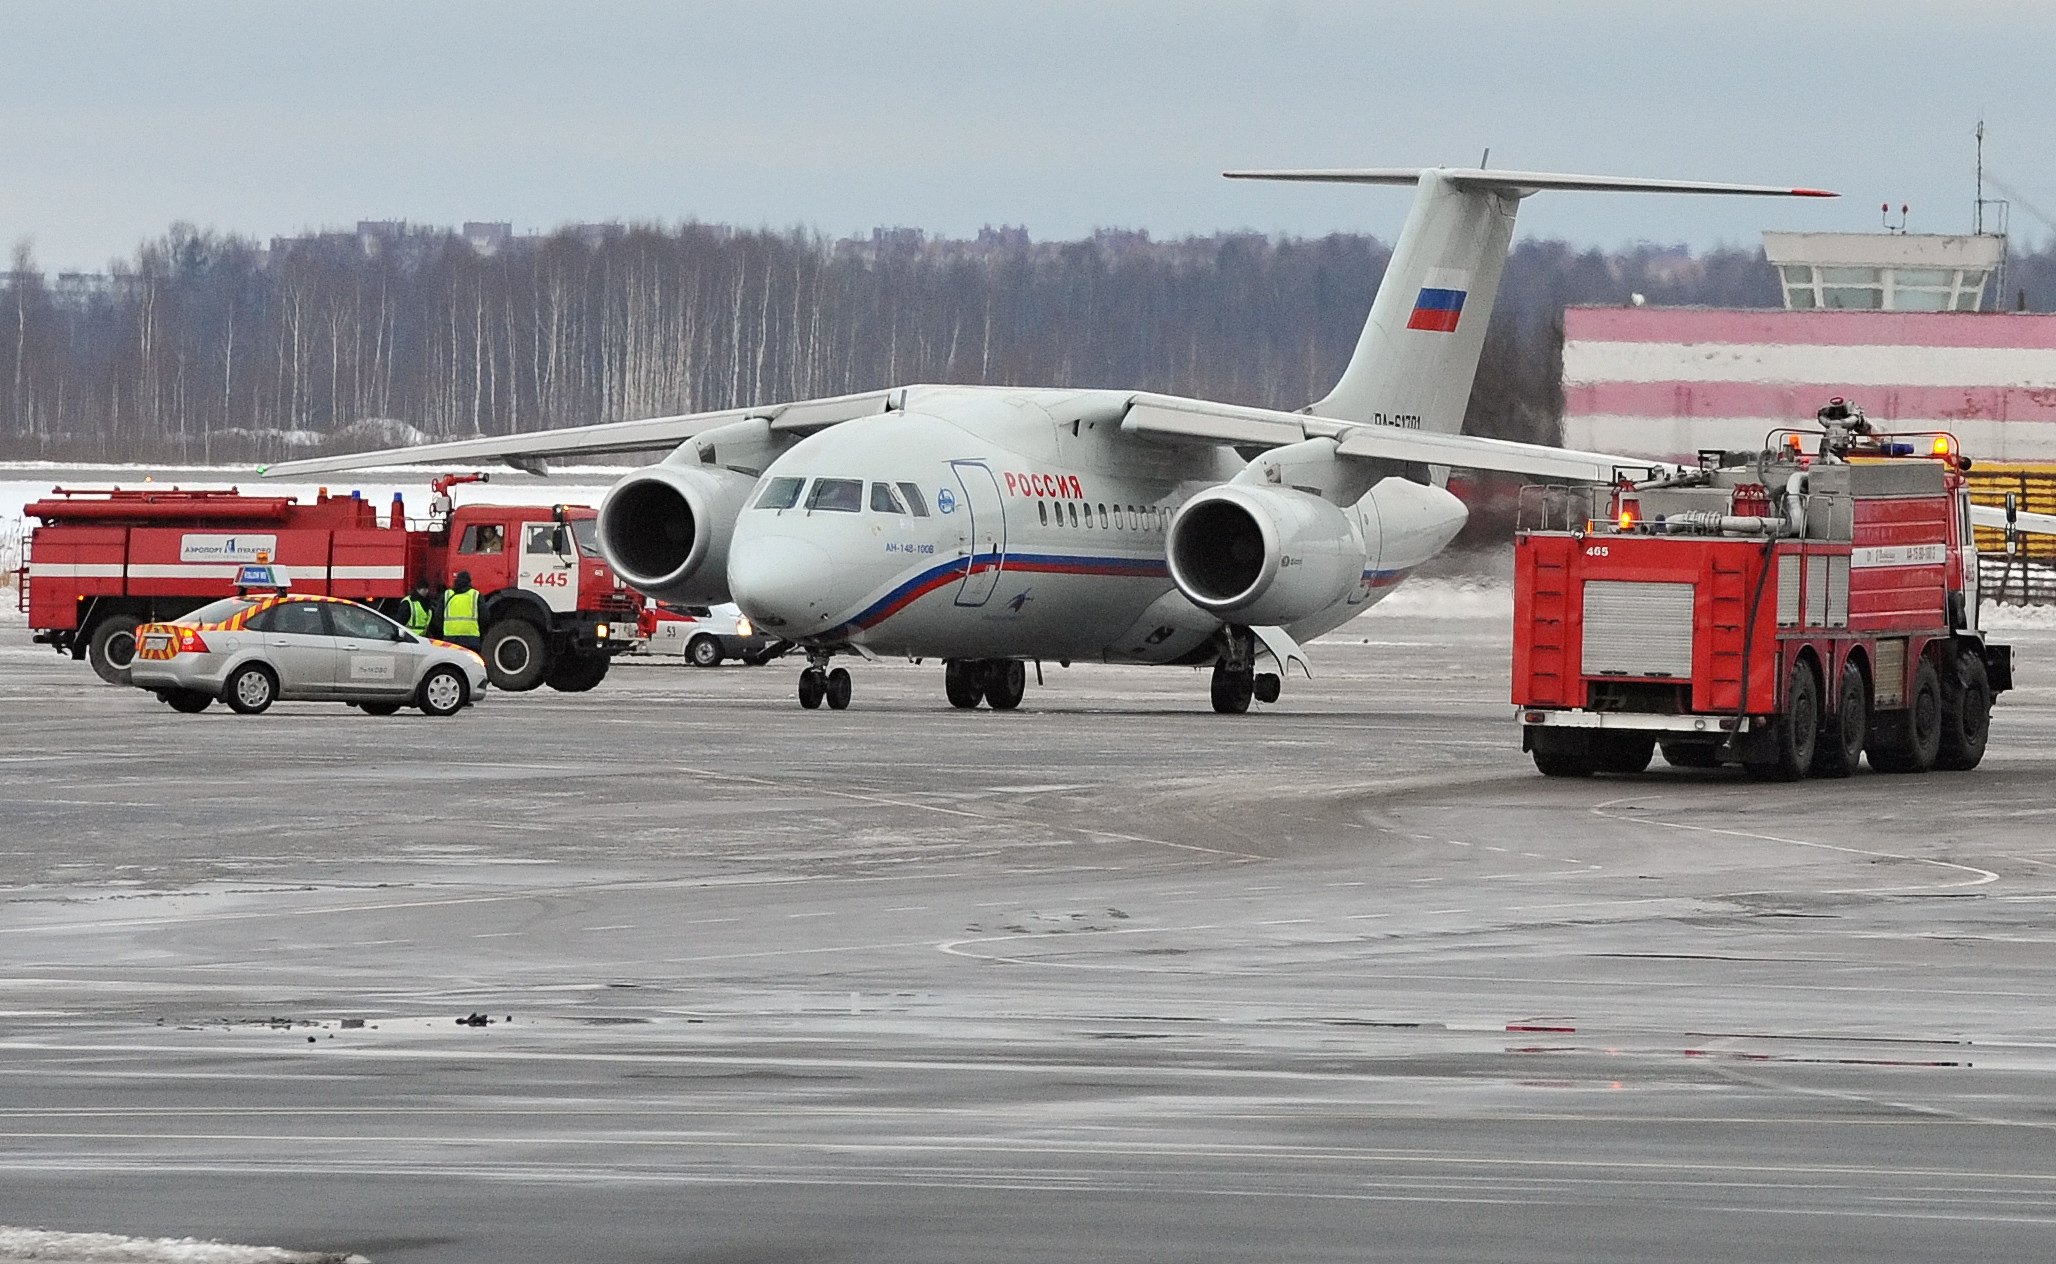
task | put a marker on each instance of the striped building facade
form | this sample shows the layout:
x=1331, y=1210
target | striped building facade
x=1666, y=382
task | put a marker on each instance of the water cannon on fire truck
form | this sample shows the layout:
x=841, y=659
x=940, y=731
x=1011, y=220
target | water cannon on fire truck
x=102, y=562
x=1791, y=611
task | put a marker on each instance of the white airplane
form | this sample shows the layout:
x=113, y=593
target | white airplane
x=994, y=526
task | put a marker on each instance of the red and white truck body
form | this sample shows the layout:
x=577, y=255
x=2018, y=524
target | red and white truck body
x=1788, y=611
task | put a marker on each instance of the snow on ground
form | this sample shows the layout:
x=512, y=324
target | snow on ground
x=44, y=1246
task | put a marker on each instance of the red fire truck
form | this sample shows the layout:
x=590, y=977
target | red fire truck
x=102, y=562
x=1789, y=611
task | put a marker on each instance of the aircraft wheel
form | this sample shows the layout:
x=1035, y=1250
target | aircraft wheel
x=1232, y=690
x=838, y=689
x=1268, y=686
x=964, y=683
x=813, y=688
x=1006, y=680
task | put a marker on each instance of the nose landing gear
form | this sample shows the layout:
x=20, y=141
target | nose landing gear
x=818, y=685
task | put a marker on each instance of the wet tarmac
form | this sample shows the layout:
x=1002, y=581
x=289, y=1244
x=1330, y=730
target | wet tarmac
x=1109, y=978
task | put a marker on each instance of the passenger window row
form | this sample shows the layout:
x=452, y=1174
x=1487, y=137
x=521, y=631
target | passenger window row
x=1060, y=513
x=843, y=495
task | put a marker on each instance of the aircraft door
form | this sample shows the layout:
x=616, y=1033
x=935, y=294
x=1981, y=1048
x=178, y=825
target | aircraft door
x=986, y=529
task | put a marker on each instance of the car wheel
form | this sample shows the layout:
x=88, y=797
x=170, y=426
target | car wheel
x=186, y=701
x=251, y=690
x=112, y=649
x=515, y=656
x=704, y=651
x=443, y=692
x=378, y=708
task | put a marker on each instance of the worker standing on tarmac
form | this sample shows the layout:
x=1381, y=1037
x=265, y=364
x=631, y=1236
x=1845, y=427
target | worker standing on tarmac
x=460, y=612
x=421, y=608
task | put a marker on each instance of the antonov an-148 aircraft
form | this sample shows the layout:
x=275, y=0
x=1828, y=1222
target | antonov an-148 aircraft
x=993, y=526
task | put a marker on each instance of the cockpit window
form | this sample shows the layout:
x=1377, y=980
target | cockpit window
x=781, y=493
x=915, y=500
x=840, y=495
x=885, y=500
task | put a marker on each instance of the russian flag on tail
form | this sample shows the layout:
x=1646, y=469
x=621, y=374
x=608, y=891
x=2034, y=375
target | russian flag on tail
x=1440, y=303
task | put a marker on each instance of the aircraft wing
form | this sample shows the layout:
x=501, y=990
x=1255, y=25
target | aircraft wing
x=1995, y=516
x=1194, y=420
x=529, y=451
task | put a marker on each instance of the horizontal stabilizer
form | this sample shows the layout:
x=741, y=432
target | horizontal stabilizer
x=1995, y=516
x=649, y=434
x=1522, y=183
x=1201, y=421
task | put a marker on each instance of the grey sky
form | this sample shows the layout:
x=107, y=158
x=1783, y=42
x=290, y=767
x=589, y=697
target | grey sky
x=269, y=117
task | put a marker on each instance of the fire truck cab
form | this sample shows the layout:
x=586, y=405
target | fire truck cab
x=1791, y=611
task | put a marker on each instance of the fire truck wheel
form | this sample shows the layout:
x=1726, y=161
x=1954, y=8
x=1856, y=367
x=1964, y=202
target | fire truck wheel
x=1561, y=754
x=1966, y=715
x=1691, y=754
x=704, y=651
x=1006, y=682
x=813, y=688
x=1909, y=740
x=1839, y=748
x=515, y=657
x=1794, y=731
x=444, y=691
x=112, y=651
x=1623, y=753
x=964, y=683
x=838, y=689
x=186, y=701
x=576, y=673
x=251, y=690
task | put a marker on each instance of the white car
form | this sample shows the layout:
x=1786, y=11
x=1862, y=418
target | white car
x=703, y=634
x=253, y=651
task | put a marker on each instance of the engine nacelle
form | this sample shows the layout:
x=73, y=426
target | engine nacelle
x=665, y=530
x=1264, y=555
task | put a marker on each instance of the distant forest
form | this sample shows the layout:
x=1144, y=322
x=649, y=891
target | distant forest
x=209, y=348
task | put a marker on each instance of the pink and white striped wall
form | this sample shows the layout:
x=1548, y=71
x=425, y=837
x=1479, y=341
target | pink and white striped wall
x=1666, y=382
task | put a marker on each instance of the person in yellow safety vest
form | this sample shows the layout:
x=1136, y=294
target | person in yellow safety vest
x=421, y=608
x=460, y=612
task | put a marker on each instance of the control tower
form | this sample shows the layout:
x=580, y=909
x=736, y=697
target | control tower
x=1888, y=272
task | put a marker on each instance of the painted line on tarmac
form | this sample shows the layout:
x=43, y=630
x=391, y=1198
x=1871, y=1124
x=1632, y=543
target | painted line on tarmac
x=1982, y=877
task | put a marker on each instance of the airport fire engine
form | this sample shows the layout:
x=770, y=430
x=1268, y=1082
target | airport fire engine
x=1790, y=611
x=103, y=562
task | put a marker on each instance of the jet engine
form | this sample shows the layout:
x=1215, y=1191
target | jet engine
x=1261, y=556
x=665, y=529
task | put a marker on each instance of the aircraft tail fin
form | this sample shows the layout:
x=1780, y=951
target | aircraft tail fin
x=1418, y=353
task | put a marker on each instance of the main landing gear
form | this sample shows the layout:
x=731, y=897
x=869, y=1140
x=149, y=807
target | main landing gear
x=1237, y=682
x=819, y=684
x=1001, y=682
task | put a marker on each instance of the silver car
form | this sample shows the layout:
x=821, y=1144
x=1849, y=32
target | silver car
x=253, y=651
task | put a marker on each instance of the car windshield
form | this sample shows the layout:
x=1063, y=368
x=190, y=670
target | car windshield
x=781, y=493
x=586, y=531
x=217, y=611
